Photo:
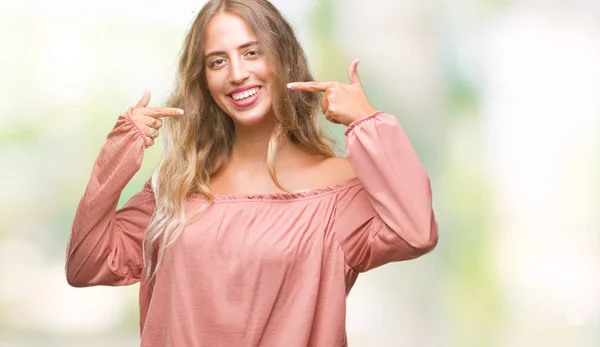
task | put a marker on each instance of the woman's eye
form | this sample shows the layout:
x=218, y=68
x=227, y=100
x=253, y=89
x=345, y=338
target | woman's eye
x=253, y=53
x=217, y=62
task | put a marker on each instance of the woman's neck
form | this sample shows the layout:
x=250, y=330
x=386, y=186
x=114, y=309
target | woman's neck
x=250, y=148
x=251, y=143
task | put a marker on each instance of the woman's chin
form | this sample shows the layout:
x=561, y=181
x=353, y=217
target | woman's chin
x=251, y=118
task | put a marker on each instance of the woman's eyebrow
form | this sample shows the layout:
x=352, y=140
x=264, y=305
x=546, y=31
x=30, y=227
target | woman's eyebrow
x=245, y=45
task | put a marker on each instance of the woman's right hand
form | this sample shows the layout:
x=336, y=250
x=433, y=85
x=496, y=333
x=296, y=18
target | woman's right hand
x=148, y=119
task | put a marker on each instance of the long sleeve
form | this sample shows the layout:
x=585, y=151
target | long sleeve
x=389, y=217
x=105, y=245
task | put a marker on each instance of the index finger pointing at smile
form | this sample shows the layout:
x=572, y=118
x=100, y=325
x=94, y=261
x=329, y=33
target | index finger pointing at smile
x=319, y=87
x=162, y=112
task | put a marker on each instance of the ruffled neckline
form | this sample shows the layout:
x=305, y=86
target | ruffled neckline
x=284, y=196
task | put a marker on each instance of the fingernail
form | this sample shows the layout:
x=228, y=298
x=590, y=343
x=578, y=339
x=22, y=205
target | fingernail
x=290, y=85
x=180, y=111
x=357, y=61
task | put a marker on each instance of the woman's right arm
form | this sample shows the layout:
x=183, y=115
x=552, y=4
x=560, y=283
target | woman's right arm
x=105, y=245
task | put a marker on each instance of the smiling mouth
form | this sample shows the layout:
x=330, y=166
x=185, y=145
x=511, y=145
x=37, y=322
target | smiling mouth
x=245, y=95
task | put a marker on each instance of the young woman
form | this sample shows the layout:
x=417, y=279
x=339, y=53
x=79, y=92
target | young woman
x=251, y=232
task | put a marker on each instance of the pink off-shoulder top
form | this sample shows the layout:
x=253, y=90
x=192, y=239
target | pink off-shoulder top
x=256, y=269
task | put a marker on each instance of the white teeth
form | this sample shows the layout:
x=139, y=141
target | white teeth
x=246, y=94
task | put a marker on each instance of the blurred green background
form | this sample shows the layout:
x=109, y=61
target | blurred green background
x=500, y=98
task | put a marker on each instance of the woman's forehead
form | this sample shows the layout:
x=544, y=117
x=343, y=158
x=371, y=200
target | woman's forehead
x=227, y=31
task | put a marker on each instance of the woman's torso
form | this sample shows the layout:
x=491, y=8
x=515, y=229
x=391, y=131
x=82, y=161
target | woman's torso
x=253, y=269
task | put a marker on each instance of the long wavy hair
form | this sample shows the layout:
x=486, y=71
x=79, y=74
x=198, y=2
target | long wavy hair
x=198, y=143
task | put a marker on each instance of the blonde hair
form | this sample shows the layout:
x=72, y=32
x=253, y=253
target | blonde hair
x=197, y=143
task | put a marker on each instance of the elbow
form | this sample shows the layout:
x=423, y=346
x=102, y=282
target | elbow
x=422, y=248
x=429, y=243
x=75, y=271
x=76, y=283
x=433, y=236
x=428, y=246
x=74, y=279
x=81, y=274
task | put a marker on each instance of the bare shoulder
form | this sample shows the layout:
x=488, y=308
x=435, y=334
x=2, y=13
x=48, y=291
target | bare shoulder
x=337, y=170
x=317, y=172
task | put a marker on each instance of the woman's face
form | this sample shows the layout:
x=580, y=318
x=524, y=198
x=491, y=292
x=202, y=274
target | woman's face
x=237, y=73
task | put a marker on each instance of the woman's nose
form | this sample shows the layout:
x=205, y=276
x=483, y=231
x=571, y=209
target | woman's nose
x=237, y=72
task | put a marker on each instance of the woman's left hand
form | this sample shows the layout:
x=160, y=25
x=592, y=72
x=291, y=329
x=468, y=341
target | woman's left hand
x=341, y=103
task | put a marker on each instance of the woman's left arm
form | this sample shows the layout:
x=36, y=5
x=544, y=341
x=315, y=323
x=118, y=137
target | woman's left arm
x=389, y=217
